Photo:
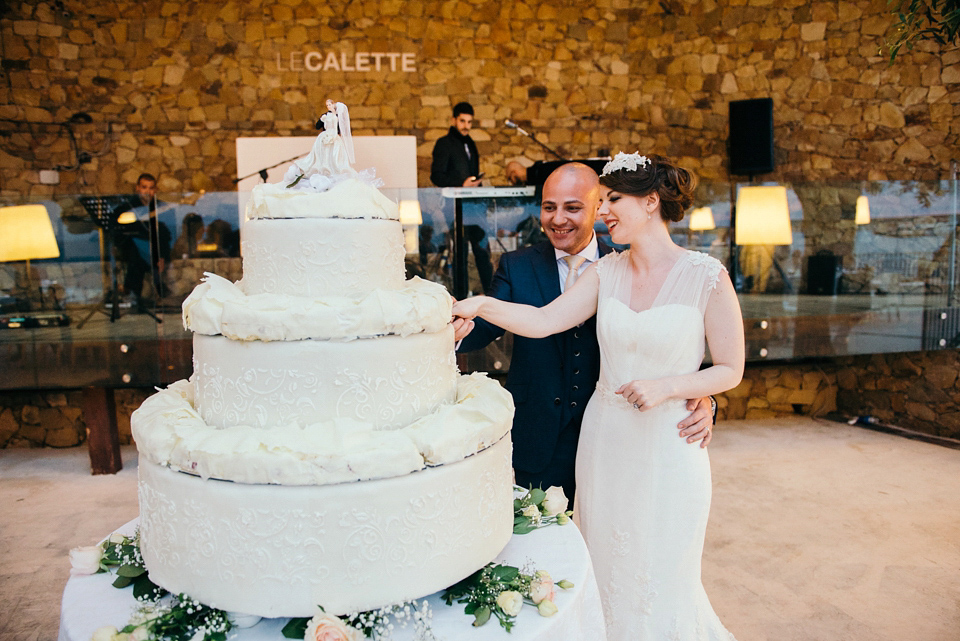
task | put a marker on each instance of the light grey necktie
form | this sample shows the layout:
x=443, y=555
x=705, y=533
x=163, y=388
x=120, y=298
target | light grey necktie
x=573, y=262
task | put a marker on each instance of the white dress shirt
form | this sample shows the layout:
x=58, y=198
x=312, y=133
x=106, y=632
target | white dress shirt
x=591, y=253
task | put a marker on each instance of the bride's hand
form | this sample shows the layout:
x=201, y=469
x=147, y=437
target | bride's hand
x=468, y=308
x=645, y=394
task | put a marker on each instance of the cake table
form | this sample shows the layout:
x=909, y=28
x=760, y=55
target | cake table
x=90, y=602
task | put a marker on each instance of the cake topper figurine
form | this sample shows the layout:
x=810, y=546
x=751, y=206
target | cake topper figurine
x=329, y=162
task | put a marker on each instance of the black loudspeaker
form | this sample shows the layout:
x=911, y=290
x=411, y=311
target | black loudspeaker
x=751, y=136
x=823, y=273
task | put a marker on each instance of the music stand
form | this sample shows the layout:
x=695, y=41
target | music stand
x=104, y=210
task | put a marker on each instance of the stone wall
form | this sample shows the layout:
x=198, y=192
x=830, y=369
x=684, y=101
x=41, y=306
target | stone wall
x=55, y=418
x=915, y=390
x=178, y=82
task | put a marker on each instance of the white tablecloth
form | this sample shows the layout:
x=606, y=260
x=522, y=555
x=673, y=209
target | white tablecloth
x=91, y=601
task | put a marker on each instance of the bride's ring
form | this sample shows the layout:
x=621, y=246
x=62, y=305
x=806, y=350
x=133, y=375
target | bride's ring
x=636, y=405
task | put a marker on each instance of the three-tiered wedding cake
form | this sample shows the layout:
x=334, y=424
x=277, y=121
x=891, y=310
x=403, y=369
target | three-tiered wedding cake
x=325, y=451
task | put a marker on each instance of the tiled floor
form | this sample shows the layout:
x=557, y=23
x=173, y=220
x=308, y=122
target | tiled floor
x=818, y=531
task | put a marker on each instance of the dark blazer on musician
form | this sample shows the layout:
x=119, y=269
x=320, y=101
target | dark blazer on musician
x=551, y=378
x=451, y=166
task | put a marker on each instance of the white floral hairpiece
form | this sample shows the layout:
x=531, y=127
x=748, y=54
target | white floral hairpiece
x=630, y=162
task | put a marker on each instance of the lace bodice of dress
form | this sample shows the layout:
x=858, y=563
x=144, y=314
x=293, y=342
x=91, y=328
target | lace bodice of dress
x=665, y=340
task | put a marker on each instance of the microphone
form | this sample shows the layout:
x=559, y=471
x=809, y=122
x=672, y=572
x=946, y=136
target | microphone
x=512, y=125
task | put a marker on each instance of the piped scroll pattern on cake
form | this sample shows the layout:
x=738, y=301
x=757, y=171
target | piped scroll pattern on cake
x=279, y=389
x=382, y=400
x=317, y=267
x=252, y=540
x=283, y=395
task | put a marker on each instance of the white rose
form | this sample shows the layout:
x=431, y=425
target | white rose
x=326, y=627
x=106, y=633
x=532, y=512
x=116, y=537
x=140, y=633
x=547, y=608
x=555, y=501
x=85, y=560
x=541, y=588
x=510, y=602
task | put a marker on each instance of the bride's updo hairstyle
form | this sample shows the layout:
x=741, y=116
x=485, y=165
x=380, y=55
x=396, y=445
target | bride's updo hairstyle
x=629, y=174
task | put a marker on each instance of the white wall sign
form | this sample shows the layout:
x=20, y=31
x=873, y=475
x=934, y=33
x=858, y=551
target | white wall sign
x=362, y=61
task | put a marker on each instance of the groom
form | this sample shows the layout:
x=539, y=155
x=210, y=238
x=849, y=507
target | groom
x=552, y=378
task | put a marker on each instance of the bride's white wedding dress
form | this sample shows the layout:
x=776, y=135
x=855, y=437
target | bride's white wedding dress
x=643, y=492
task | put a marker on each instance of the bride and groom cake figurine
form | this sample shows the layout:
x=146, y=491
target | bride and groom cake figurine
x=326, y=450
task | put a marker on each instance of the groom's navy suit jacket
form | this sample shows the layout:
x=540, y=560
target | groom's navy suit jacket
x=551, y=378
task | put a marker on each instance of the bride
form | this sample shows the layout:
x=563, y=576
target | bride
x=643, y=495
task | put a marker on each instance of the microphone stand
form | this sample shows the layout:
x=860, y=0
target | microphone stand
x=263, y=172
x=513, y=125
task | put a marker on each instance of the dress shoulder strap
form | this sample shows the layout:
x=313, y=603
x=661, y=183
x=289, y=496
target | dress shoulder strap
x=692, y=280
x=615, y=279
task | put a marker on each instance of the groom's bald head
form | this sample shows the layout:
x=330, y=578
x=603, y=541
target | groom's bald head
x=571, y=196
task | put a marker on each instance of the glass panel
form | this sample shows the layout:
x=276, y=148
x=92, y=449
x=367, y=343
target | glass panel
x=840, y=288
x=75, y=320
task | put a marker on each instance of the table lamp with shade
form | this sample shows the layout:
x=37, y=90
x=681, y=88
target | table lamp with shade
x=27, y=234
x=763, y=219
x=701, y=219
x=763, y=216
x=411, y=217
x=862, y=217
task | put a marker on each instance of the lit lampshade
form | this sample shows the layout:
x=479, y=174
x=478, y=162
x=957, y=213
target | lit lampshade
x=410, y=212
x=862, y=216
x=763, y=216
x=127, y=218
x=27, y=234
x=701, y=219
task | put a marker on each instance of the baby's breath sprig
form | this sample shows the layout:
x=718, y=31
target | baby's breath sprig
x=121, y=553
x=178, y=618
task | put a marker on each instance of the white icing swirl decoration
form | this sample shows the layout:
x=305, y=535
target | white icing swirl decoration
x=169, y=431
x=217, y=306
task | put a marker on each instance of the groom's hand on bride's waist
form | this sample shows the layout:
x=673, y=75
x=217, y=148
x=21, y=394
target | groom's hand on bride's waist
x=699, y=425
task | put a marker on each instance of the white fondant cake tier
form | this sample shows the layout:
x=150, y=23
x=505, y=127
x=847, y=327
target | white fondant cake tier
x=315, y=257
x=275, y=550
x=170, y=432
x=218, y=306
x=388, y=381
x=350, y=198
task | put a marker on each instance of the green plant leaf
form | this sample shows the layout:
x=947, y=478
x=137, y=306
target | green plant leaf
x=295, y=628
x=122, y=582
x=537, y=495
x=481, y=616
x=524, y=529
x=505, y=573
x=144, y=588
x=130, y=570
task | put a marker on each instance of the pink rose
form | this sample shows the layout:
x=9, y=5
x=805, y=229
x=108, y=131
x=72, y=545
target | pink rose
x=326, y=627
x=541, y=588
